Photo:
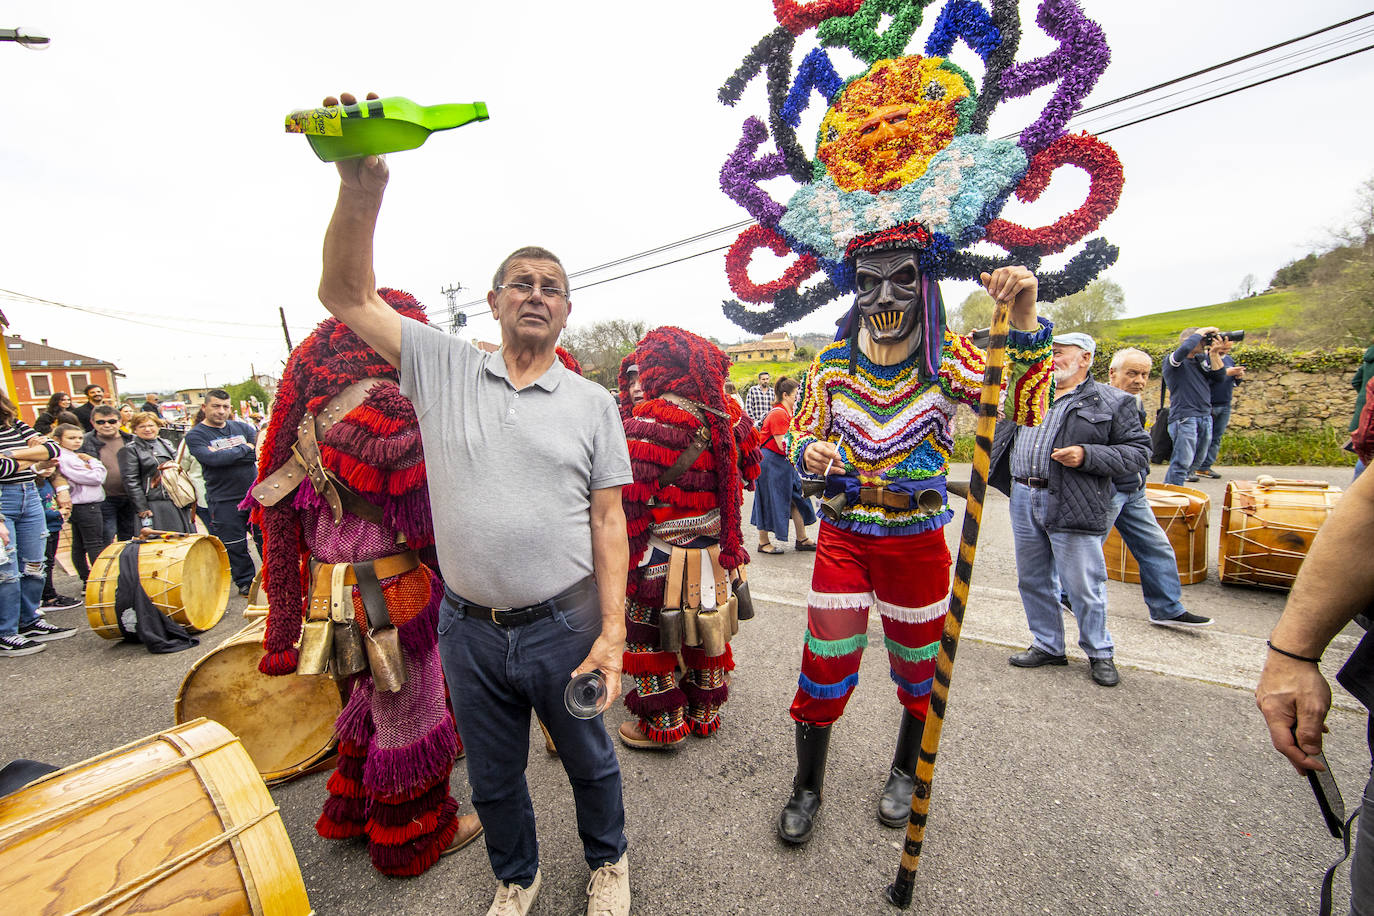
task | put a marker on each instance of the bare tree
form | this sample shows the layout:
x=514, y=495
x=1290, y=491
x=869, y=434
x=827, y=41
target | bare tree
x=1249, y=285
x=974, y=312
x=600, y=347
x=1088, y=310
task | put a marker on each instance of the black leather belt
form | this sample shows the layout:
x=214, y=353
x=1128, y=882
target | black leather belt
x=516, y=616
x=1035, y=483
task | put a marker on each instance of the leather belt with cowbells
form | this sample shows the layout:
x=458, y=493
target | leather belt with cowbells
x=683, y=621
x=331, y=641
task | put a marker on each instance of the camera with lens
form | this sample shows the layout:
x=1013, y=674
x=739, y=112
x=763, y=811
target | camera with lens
x=1233, y=336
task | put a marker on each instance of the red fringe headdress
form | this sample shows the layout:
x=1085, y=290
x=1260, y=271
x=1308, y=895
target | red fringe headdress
x=325, y=363
x=675, y=361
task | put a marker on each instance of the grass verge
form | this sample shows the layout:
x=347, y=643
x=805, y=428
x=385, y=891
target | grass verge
x=1314, y=447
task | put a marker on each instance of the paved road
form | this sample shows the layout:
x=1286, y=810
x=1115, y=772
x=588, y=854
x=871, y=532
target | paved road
x=1052, y=794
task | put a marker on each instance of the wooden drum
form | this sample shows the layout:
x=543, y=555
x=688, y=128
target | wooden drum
x=1182, y=513
x=177, y=823
x=286, y=724
x=185, y=575
x=1267, y=526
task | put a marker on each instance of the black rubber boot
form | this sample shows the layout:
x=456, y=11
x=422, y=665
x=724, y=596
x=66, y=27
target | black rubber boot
x=895, y=805
x=799, y=814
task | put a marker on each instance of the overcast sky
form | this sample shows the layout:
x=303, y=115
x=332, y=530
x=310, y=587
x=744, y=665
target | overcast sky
x=144, y=168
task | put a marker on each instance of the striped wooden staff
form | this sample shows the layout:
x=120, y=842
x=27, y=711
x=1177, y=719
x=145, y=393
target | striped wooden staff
x=899, y=892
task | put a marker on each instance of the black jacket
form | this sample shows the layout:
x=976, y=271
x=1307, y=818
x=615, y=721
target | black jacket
x=1106, y=422
x=92, y=443
x=138, y=463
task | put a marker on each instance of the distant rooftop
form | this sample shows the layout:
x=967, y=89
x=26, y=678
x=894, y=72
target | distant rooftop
x=27, y=353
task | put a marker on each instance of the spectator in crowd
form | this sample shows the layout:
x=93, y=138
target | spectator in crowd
x=22, y=630
x=225, y=449
x=1334, y=584
x=1135, y=520
x=759, y=398
x=197, y=475
x=105, y=443
x=1226, y=375
x=151, y=405
x=139, y=462
x=1188, y=375
x=126, y=417
x=778, y=493
x=1062, y=474
x=732, y=393
x=86, y=475
x=95, y=396
x=60, y=403
x=56, y=517
x=1360, y=382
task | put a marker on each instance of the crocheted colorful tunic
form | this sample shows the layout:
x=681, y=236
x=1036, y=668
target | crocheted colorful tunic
x=686, y=513
x=896, y=429
x=396, y=750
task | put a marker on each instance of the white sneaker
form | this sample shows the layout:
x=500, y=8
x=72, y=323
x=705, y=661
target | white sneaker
x=608, y=892
x=514, y=900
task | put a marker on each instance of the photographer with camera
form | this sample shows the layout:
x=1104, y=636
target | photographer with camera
x=1226, y=375
x=1188, y=376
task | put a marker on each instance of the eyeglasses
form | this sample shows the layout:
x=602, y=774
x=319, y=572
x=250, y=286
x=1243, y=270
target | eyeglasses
x=526, y=290
x=105, y=422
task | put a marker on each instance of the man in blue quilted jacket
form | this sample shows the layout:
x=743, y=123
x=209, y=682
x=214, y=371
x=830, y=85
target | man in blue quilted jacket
x=1061, y=492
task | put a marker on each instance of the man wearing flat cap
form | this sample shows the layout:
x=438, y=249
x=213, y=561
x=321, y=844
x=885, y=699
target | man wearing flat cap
x=1059, y=476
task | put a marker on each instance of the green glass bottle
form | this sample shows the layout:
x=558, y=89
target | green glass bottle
x=376, y=126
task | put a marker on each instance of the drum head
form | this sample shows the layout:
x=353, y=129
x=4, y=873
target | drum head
x=205, y=582
x=284, y=723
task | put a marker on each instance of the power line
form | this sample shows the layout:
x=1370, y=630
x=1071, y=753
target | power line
x=14, y=296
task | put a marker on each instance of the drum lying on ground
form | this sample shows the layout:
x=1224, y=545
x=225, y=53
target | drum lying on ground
x=186, y=576
x=1182, y=512
x=286, y=724
x=1267, y=527
x=178, y=823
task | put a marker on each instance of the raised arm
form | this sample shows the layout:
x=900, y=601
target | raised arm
x=348, y=287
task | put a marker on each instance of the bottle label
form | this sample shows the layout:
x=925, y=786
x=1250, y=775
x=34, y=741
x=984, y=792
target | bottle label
x=319, y=122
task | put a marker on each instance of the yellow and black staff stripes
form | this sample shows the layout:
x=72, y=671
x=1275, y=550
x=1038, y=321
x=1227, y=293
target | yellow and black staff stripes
x=899, y=892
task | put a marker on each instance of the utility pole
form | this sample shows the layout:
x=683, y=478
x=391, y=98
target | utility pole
x=287, y=334
x=456, y=319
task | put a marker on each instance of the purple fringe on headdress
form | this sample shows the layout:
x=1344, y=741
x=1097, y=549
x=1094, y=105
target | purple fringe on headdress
x=394, y=770
x=706, y=696
x=402, y=813
x=643, y=707
x=354, y=724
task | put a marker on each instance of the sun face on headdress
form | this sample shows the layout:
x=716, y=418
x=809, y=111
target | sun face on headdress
x=886, y=125
x=902, y=152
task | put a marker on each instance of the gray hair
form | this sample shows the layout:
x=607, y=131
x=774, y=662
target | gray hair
x=1120, y=357
x=529, y=253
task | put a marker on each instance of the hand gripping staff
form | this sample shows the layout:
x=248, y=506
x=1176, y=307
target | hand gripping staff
x=899, y=892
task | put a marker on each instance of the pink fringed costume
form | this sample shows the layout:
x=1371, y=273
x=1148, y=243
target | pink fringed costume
x=396, y=749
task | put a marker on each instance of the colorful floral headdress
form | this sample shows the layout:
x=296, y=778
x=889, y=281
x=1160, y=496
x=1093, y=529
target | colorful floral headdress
x=902, y=157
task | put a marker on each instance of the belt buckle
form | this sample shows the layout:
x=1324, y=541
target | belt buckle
x=493, y=611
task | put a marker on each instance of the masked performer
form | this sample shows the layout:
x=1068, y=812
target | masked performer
x=343, y=505
x=692, y=451
x=904, y=182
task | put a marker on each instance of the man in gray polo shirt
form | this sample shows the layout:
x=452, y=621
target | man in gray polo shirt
x=525, y=461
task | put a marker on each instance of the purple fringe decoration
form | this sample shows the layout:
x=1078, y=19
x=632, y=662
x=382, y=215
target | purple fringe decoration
x=714, y=696
x=876, y=530
x=403, y=813
x=395, y=453
x=645, y=633
x=354, y=724
x=351, y=767
x=390, y=857
x=307, y=498
x=651, y=590
x=350, y=811
x=389, y=772
x=643, y=707
x=661, y=434
x=409, y=514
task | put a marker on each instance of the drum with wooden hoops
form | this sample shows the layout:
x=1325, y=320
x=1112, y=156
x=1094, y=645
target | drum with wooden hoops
x=186, y=576
x=1267, y=527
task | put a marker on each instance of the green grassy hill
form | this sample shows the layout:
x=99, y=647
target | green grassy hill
x=1257, y=316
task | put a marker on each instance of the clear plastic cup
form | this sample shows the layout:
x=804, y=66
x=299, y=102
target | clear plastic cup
x=584, y=694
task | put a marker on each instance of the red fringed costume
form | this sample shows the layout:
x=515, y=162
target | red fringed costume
x=683, y=379
x=396, y=750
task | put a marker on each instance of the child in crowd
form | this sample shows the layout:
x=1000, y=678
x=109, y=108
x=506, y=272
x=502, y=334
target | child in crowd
x=86, y=474
x=56, y=518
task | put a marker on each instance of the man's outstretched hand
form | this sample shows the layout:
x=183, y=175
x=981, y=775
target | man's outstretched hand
x=368, y=174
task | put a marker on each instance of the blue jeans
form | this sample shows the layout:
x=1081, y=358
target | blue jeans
x=119, y=518
x=1191, y=437
x=1047, y=561
x=1221, y=418
x=229, y=523
x=495, y=676
x=21, y=575
x=1140, y=532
